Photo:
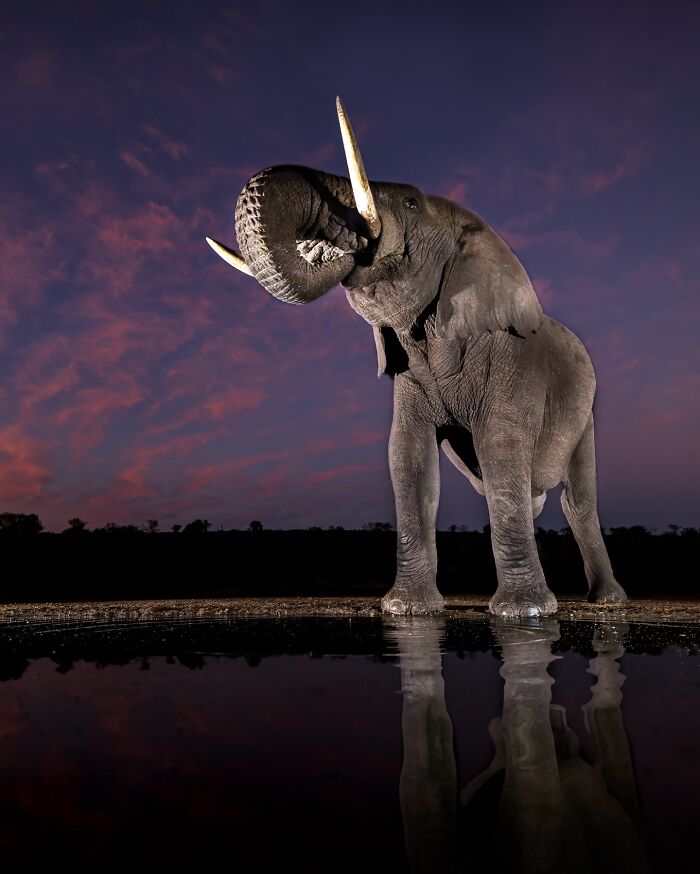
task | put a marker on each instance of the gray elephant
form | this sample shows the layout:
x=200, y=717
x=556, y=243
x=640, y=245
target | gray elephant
x=478, y=369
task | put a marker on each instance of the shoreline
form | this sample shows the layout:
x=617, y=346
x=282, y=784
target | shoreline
x=649, y=610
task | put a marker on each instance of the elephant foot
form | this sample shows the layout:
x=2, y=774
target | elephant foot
x=518, y=604
x=403, y=600
x=607, y=592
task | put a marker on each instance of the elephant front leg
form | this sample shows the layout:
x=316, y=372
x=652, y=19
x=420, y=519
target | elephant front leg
x=522, y=591
x=415, y=476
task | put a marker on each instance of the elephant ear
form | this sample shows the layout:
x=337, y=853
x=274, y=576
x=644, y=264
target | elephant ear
x=485, y=288
x=391, y=356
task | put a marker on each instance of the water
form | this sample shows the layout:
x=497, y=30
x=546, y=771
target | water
x=338, y=745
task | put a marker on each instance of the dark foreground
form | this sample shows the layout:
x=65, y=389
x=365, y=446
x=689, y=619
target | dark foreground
x=126, y=563
x=209, y=735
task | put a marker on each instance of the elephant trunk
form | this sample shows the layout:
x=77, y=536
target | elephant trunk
x=299, y=231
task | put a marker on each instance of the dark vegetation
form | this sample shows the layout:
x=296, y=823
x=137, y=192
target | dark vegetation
x=129, y=561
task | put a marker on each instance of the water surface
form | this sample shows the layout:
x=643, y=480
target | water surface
x=346, y=745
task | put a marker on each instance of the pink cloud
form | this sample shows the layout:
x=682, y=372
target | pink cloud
x=342, y=471
x=154, y=229
x=636, y=158
x=52, y=169
x=24, y=468
x=568, y=238
x=36, y=70
x=221, y=75
x=234, y=400
x=172, y=148
x=30, y=260
x=544, y=290
x=456, y=192
x=134, y=163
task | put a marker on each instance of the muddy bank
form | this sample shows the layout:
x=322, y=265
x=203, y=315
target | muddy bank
x=458, y=607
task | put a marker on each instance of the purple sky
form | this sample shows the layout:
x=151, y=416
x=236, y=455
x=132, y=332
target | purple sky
x=143, y=378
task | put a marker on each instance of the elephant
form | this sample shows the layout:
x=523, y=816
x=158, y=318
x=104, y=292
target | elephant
x=478, y=369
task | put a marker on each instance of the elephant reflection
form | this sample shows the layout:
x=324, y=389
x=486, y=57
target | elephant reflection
x=539, y=806
x=428, y=785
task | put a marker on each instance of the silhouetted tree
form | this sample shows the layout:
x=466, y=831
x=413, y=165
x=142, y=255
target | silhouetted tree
x=197, y=526
x=452, y=528
x=76, y=525
x=176, y=529
x=255, y=525
x=20, y=523
x=151, y=526
x=113, y=528
x=378, y=526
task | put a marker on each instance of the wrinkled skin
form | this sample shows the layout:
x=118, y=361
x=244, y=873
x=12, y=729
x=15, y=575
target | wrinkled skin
x=478, y=369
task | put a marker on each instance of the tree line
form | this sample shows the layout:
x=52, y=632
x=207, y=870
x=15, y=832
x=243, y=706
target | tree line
x=30, y=523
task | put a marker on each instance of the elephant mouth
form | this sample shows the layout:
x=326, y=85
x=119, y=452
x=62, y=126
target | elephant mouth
x=335, y=231
x=320, y=251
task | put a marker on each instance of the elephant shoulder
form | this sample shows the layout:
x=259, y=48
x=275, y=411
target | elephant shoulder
x=484, y=287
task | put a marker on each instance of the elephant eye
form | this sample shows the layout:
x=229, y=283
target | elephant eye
x=410, y=203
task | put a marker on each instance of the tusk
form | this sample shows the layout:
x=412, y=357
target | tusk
x=230, y=256
x=358, y=178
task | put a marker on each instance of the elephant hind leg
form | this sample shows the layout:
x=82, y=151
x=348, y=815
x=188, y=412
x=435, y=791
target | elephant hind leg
x=580, y=504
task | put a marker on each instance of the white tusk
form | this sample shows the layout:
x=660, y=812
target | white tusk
x=364, y=201
x=230, y=256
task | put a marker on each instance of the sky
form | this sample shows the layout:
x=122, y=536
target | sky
x=144, y=378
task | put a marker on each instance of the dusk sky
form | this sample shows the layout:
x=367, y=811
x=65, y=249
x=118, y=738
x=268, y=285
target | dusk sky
x=144, y=378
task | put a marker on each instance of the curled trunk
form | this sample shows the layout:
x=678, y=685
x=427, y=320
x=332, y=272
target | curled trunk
x=298, y=231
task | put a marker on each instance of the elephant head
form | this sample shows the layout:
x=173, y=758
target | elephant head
x=398, y=252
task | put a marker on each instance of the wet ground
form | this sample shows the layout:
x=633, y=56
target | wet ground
x=313, y=734
x=638, y=610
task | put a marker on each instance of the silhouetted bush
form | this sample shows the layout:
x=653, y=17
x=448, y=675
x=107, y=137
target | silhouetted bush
x=76, y=525
x=20, y=523
x=197, y=526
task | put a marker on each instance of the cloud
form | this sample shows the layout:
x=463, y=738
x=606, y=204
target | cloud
x=233, y=400
x=134, y=163
x=570, y=239
x=343, y=471
x=36, y=70
x=597, y=181
x=24, y=467
x=221, y=75
x=31, y=260
x=172, y=148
